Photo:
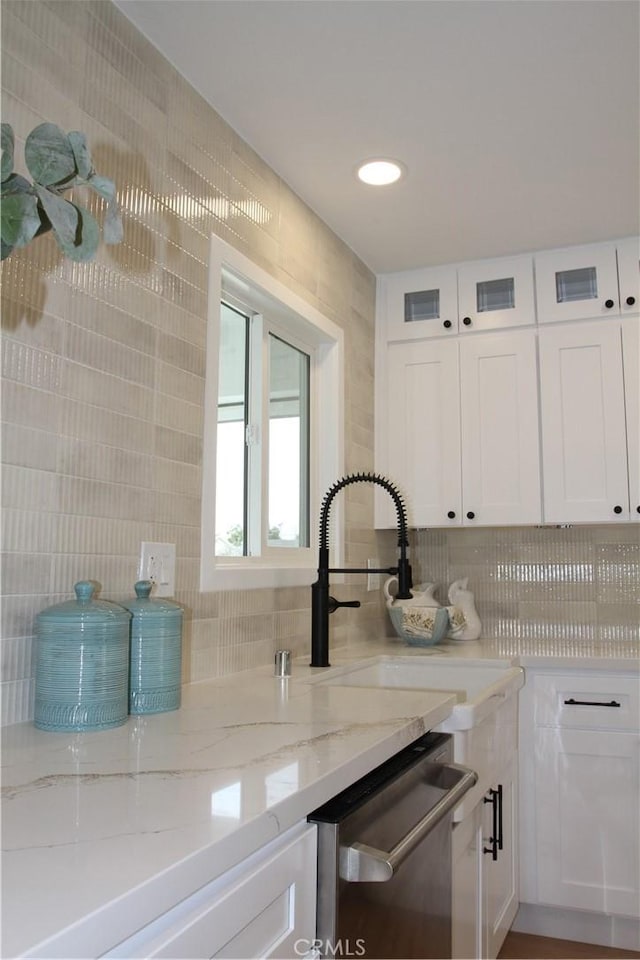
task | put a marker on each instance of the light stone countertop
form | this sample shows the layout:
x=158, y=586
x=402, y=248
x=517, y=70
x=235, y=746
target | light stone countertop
x=104, y=831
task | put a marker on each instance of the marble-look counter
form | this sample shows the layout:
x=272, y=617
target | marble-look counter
x=104, y=831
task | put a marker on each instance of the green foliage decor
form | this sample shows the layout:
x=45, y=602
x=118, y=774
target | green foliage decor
x=57, y=161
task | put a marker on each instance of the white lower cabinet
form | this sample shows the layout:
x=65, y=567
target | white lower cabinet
x=501, y=867
x=579, y=787
x=264, y=907
x=485, y=841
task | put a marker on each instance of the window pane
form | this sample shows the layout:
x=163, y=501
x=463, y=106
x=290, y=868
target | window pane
x=496, y=295
x=231, y=459
x=421, y=305
x=288, y=515
x=581, y=284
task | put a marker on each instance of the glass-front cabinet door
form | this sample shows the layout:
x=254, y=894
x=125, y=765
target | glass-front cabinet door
x=496, y=293
x=419, y=303
x=577, y=283
x=629, y=275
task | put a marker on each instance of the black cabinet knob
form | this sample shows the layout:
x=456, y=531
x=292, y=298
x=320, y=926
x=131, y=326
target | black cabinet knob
x=608, y=304
x=631, y=301
x=452, y=514
x=466, y=321
x=447, y=324
x=638, y=509
x=471, y=515
x=617, y=509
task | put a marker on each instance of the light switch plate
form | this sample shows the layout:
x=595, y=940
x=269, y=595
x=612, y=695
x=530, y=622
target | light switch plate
x=158, y=564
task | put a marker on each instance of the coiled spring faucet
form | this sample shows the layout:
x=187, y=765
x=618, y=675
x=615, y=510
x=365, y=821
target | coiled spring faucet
x=322, y=604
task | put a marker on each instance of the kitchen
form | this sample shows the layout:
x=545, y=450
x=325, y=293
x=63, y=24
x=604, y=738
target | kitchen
x=105, y=368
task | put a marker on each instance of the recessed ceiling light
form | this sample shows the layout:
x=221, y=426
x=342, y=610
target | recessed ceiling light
x=379, y=173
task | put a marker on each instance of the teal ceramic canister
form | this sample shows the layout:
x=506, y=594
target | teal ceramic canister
x=155, y=674
x=82, y=664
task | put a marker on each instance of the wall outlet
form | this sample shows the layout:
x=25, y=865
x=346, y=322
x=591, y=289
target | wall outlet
x=158, y=564
x=374, y=580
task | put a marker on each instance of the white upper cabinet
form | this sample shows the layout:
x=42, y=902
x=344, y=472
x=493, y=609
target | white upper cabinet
x=462, y=430
x=584, y=446
x=629, y=274
x=496, y=293
x=631, y=362
x=499, y=436
x=418, y=303
x=578, y=283
x=443, y=301
x=423, y=432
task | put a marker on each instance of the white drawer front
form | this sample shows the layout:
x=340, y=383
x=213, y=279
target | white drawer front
x=261, y=908
x=604, y=702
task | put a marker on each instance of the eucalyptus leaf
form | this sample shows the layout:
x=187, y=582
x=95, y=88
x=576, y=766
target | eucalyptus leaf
x=64, y=217
x=5, y=249
x=103, y=186
x=49, y=155
x=112, y=229
x=112, y=226
x=15, y=184
x=56, y=161
x=19, y=219
x=84, y=163
x=7, y=143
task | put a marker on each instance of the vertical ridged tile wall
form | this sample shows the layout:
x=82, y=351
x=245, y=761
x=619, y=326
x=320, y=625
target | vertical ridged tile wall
x=534, y=585
x=103, y=377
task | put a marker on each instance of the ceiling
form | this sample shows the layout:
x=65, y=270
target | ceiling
x=518, y=120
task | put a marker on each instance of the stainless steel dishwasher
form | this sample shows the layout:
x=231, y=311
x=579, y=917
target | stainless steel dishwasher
x=384, y=857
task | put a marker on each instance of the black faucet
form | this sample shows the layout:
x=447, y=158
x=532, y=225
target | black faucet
x=321, y=603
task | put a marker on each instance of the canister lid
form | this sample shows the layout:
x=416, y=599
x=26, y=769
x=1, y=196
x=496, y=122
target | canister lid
x=147, y=606
x=84, y=608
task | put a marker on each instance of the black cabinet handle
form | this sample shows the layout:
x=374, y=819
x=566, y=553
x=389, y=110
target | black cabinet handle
x=631, y=301
x=617, y=509
x=452, y=514
x=466, y=321
x=638, y=509
x=493, y=841
x=471, y=515
x=447, y=324
x=590, y=703
x=608, y=304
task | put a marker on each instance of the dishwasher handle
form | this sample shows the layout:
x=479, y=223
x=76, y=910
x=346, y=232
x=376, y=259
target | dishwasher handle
x=360, y=863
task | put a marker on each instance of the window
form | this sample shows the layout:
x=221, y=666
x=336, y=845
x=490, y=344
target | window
x=247, y=522
x=273, y=428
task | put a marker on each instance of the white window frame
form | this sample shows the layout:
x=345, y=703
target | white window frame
x=234, y=275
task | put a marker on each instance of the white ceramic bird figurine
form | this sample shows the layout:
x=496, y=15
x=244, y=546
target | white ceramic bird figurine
x=460, y=596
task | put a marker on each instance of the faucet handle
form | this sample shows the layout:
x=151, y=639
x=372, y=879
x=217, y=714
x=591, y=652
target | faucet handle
x=334, y=604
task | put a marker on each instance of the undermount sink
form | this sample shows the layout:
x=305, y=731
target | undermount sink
x=480, y=688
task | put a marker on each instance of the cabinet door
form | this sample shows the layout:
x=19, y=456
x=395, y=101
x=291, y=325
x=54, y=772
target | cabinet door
x=631, y=356
x=500, y=436
x=501, y=873
x=586, y=810
x=423, y=429
x=629, y=274
x=577, y=283
x=418, y=303
x=584, y=447
x=495, y=293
